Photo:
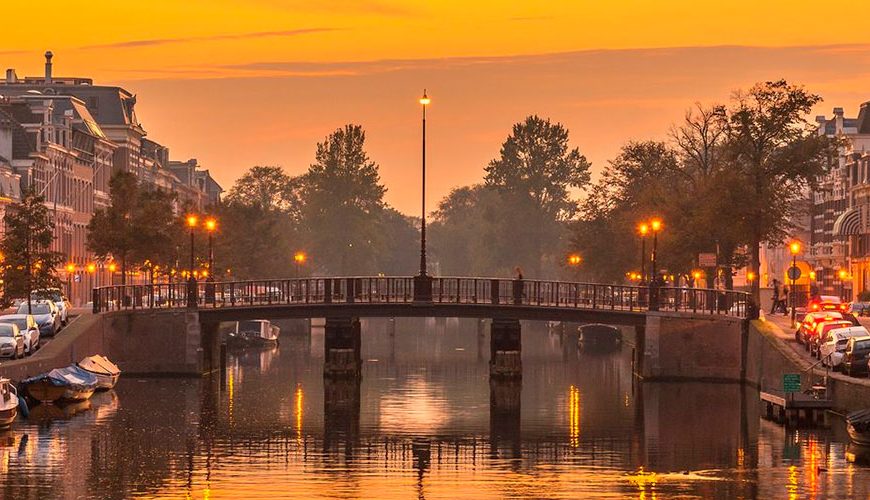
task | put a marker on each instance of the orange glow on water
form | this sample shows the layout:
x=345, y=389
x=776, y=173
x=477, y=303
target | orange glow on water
x=574, y=407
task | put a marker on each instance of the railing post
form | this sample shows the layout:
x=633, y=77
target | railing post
x=349, y=289
x=594, y=297
x=95, y=298
x=493, y=291
x=327, y=291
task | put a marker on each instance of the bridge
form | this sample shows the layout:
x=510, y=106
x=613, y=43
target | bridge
x=666, y=318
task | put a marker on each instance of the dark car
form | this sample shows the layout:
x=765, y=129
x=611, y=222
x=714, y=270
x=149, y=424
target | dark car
x=855, y=359
x=46, y=315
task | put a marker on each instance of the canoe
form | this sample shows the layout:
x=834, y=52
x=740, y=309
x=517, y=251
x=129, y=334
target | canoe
x=858, y=426
x=8, y=403
x=106, y=372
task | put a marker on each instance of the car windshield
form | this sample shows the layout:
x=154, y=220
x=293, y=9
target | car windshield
x=36, y=308
x=6, y=330
x=53, y=295
x=20, y=322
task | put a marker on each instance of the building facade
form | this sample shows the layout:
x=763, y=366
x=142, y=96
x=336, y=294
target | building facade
x=64, y=137
x=839, y=252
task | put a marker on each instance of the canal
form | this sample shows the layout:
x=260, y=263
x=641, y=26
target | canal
x=424, y=422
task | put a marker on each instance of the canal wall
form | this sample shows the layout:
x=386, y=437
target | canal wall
x=768, y=357
x=140, y=343
x=692, y=347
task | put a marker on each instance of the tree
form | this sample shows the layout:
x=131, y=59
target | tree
x=138, y=225
x=775, y=155
x=536, y=169
x=29, y=263
x=342, y=201
x=268, y=188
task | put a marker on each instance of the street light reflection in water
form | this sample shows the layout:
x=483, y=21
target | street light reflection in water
x=425, y=421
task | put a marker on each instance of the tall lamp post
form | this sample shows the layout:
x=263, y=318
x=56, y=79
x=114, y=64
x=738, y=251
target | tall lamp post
x=643, y=229
x=299, y=259
x=210, y=227
x=795, y=249
x=655, y=225
x=70, y=269
x=423, y=282
x=843, y=275
x=192, y=220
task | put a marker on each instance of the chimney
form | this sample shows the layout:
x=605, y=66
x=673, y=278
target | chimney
x=11, y=77
x=48, y=56
x=838, y=120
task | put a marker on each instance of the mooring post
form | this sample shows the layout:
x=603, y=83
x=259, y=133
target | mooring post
x=505, y=349
x=342, y=346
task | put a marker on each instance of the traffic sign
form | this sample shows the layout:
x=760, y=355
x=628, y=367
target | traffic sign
x=791, y=382
x=77, y=278
x=794, y=273
x=706, y=260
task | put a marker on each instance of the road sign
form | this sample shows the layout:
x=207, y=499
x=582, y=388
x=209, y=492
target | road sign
x=77, y=278
x=791, y=382
x=706, y=260
x=794, y=273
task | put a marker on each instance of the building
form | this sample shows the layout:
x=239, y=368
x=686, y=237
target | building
x=65, y=137
x=840, y=211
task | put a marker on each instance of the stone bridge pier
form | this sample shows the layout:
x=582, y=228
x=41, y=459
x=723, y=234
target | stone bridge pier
x=505, y=359
x=342, y=348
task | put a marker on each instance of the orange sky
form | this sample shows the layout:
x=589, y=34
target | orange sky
x=238, y=83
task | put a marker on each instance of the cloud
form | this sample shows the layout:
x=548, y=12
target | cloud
x=210, y=38
x=531, y=18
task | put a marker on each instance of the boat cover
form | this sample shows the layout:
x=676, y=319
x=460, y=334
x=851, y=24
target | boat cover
x=71, y=376
x=99, y=364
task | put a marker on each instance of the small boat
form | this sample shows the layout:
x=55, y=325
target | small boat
x=254, y=333
x=599, y=335
x=70, y=383
x=858, y=426
x=107, y=373
x=8, y=403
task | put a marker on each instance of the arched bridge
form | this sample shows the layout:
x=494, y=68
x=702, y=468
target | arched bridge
x=386, y=296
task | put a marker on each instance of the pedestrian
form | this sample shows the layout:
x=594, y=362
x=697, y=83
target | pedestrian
x=774, y=303
x=518, y=286
x=783, y=299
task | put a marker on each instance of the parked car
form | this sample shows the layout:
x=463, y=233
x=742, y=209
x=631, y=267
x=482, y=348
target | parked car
x=811, y=319
x=855, y=359
x=27, y=325
x=860, y=308
x=815, y=336
x=834, y=345
x=827, y=303
x=55, y=295
x=11, y=341
x=46, y=314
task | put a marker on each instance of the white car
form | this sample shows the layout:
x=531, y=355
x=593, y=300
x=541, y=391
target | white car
x=56, y=296
x=27, y=326
x=835, y=344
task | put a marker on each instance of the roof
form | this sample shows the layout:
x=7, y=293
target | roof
x=108, y=105
x=23, y=143
x=863, y=120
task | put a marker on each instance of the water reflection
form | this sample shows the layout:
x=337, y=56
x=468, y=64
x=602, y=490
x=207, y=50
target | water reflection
x=424, y=421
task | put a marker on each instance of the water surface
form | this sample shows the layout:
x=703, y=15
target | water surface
x=424, y=422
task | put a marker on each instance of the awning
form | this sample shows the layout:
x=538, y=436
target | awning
x=848, y=223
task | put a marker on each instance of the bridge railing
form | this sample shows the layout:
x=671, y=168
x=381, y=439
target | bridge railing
x=445, y=290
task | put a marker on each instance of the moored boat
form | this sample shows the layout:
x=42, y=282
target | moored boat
x=858, y=426
x=258, y=332
x=70, y=383
x=8, y=403
x=599, y=335
x=106, y=372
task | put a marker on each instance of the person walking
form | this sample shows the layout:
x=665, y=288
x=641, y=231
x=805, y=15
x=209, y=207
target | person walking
x=783, y=299
x=774, y=303
x=518, y=286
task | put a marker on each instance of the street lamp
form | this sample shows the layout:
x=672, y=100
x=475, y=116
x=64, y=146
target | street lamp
x=70, y=269
x=843, y=275
x=422, y=282
x=210, y=227
x=299, y=259
x=795, y=249
x=192, y=220
x=643, y=229
x=655, y=225
x=112, y=269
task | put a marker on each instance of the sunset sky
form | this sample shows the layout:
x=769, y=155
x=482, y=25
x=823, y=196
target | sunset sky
x=240, y=83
